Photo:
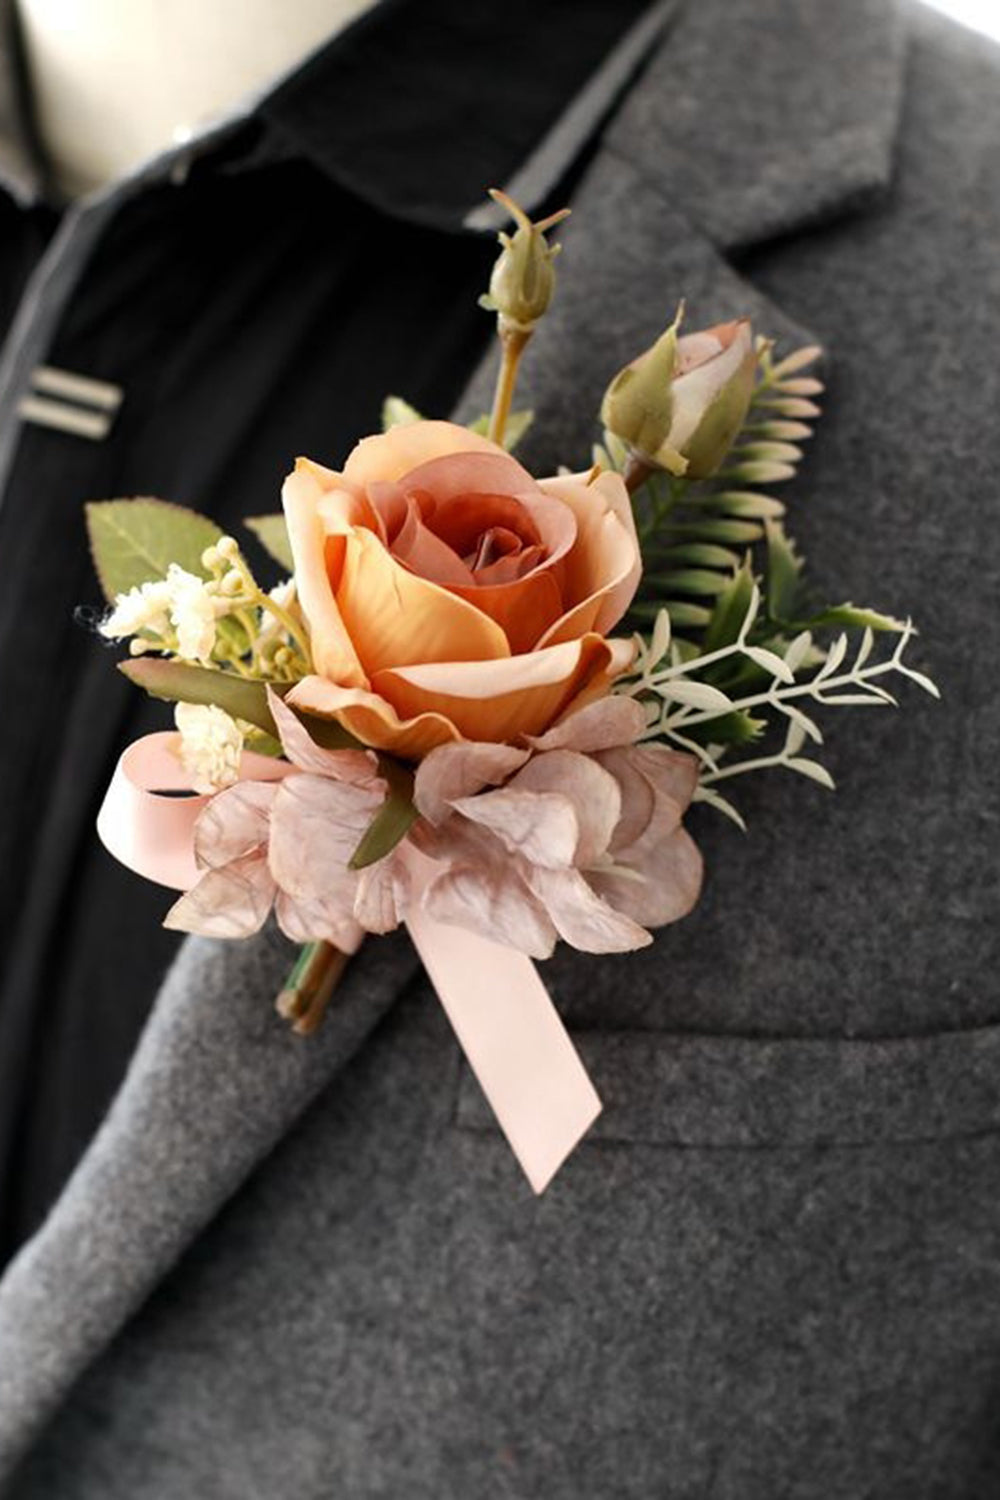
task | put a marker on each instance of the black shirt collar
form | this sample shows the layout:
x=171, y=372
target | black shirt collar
x=417, y=106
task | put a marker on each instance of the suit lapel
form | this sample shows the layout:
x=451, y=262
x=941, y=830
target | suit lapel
x=739, y=129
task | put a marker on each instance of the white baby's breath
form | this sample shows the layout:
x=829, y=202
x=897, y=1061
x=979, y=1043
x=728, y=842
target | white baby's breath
x=145, y=608
x=211, y=746
x=194, y=609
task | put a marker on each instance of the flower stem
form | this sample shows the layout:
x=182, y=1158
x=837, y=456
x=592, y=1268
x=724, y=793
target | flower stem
x=637, y=471
x=512, y=342
x=310, y=985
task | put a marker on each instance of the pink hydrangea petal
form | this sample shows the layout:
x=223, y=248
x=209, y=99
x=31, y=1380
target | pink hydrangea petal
x=316, y=825
x=654, y=781
x=670, y=868
x=359, y=767
x=600, y=725
x=234, y=824
x=230, y=902
x=638, y=798
x=492, y=901
x=671, y=772
x=592, y=791
x=382, y=895
x=540, y=826
x=581, y=917
x=317, y=921
x=461, y=770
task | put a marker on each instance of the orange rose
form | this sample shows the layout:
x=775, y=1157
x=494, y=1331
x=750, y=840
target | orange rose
x=451, y=596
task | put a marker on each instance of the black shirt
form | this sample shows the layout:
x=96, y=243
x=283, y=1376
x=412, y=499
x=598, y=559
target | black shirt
x=254, y=295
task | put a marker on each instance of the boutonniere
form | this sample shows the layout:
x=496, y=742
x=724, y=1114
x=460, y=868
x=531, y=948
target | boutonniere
x=482, y=702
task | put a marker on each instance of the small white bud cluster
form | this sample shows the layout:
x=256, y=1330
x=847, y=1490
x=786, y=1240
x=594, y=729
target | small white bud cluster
x=211, y=746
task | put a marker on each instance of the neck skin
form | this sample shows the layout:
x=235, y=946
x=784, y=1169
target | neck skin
x=114, y=82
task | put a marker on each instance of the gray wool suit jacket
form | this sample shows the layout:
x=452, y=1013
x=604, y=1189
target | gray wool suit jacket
x=296, y=1269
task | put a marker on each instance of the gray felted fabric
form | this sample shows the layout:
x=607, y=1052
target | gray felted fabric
x=296, y=1270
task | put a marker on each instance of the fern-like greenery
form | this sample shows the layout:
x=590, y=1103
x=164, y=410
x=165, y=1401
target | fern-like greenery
x=729, y=637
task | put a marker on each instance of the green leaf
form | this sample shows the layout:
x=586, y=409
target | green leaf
x=398, y=413
x=702, y=555
x=682, y=614
x=716, y=529
x=688, y=581
x=849, y=616
x=393, y=820
x=730, y=611
x=746, y=504
x=272, y=533
x=181, y=682
x=134, y=541
x=784, y=573
x=738, y=728
x=518, y=423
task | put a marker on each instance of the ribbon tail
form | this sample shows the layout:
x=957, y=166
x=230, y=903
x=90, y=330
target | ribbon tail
x=515, y=1043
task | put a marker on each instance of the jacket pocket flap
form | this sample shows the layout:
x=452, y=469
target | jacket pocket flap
x=697, y=1091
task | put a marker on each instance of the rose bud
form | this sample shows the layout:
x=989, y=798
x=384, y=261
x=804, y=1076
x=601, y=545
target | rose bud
x=523, y=277
x=681, y=405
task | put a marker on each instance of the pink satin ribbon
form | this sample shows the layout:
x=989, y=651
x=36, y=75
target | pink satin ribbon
x=493, y=996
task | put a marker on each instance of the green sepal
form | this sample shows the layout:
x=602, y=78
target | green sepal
x=394, y=818
x=135, y=541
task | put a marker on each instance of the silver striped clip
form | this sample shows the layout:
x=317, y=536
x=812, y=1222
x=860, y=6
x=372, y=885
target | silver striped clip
x=70, y=403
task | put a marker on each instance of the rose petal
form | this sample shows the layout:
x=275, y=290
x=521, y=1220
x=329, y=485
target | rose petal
x=494, y=902
x=333, y=653
x=500, y=700
x=592, y=791
x=581, y=917
x=359, y=767
x=601, y=725
x=390, y=455
x=694, y=391
x=461, y=770
x=523, y=609
x=426, y=555
x=457, y=480
x=602, y=572
x=372, y=719
x=395, y=619
x=232, y=901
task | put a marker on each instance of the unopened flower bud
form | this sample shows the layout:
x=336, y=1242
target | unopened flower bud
x=523, y=276
x=680, y=406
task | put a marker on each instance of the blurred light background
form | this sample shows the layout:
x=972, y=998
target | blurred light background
x=981, y=15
